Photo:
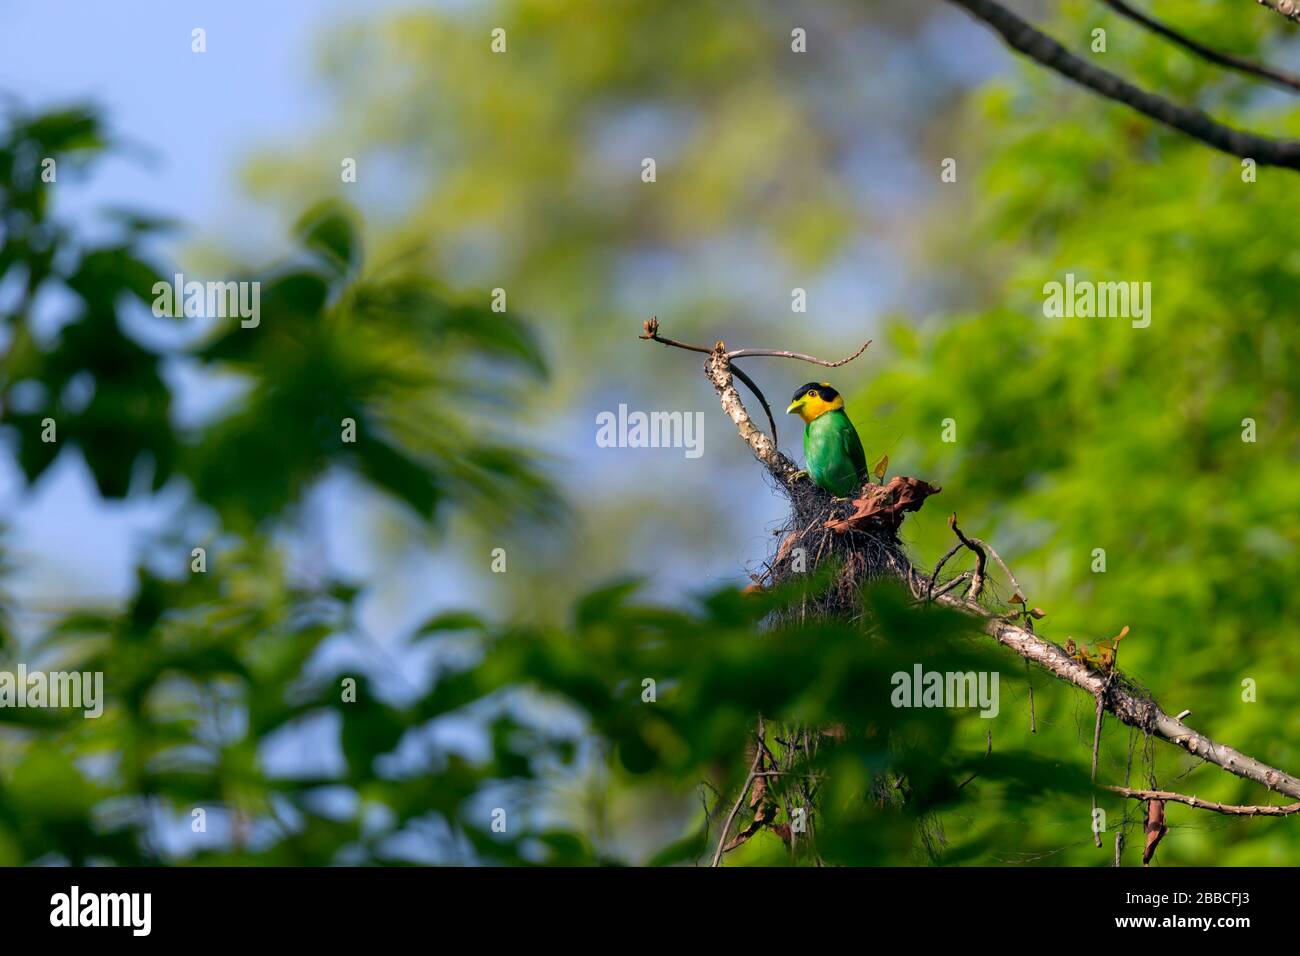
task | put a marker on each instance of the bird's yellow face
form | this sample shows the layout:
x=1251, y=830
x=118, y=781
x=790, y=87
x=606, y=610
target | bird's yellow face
x=815, y=399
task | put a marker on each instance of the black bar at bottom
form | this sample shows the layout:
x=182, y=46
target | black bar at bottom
x=211, y=905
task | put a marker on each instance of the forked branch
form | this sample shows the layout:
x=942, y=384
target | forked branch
x=720, y=367
x=1038, y=46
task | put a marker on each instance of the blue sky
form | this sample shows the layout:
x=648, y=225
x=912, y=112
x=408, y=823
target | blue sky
x=187, y=120
x=191, y=115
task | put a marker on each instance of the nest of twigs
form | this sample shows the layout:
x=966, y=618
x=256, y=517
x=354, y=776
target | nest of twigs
x=857, y=539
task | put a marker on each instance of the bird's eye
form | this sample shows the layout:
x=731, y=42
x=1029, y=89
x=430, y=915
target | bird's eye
x=812, y=393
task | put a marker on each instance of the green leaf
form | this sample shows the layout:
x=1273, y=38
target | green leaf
x=451, y=621
x=328, y=230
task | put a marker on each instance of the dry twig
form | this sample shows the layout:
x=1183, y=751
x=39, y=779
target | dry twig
x=977, y=546
x=1284, y=810
x=759, y=749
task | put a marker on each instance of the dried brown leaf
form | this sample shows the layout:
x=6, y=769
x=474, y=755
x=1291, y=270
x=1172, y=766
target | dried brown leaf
x=883, y=506
x=1155, y=828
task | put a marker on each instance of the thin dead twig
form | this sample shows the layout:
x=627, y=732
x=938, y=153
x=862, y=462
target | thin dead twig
x=1017, y=595
x=939, y=567
x=650, y=332
x=988, y=736
x=976, y=545
x=760, y=749
x=1096, y=746
x=1283, y=810
x=955, y=582
x=801, y=356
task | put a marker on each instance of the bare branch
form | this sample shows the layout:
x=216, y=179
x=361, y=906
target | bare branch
x=976, y=545
x=718, y=369
x=1140, y=712
x=1288, y=8
x=759, y=747
x=781, y=353
x=934, y=577
x=1023, y=37
x=1096, y=735
x=988, y=736
x=1236, y=811
x=1017, y=596
x=1279, y=77
x=1096, y=746
x=954, y=583
x=1029, y=683
x=762, y=400
x=650, y=332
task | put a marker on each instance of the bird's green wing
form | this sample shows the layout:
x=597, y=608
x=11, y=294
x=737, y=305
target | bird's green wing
x=853, y=448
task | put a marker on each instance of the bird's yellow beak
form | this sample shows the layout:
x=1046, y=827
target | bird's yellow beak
x=797, y=404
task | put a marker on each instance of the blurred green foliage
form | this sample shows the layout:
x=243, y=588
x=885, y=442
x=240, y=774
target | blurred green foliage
x=205, y=670
x=1078, y=434
x=126, y=418
x=201, y=649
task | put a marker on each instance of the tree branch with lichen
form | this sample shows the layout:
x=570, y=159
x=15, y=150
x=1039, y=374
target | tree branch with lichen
x=1130, y=708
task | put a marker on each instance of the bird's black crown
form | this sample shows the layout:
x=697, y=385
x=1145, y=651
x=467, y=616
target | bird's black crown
x=824, y=391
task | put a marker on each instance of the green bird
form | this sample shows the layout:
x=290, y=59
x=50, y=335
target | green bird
x=831, y=447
